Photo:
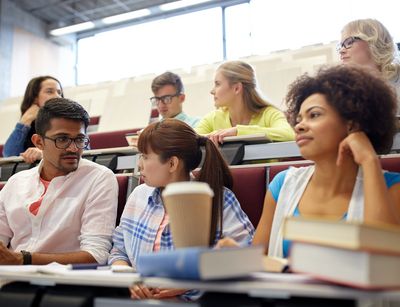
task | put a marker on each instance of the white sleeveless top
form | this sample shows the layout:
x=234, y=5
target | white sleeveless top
x=292, y=189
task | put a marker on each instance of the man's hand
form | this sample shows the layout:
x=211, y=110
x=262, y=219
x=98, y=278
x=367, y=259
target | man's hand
x=31, y=155
x=9, y=257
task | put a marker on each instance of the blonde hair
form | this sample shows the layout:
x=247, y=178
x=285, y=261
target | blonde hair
x=383, y=49
x=238, y=71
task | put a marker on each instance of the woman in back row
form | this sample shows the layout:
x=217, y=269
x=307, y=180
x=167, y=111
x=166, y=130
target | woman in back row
x=368, y=43
x=37, y=92
x=241, y=109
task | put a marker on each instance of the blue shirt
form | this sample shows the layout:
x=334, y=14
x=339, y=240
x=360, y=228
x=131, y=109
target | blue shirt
x=15, y=144
x=191, y=121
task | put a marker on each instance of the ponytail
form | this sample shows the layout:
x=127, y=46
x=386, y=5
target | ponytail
x=216, y=173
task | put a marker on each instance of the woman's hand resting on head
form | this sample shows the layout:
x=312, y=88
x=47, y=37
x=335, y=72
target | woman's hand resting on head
x=30, y=115
x=358, y=146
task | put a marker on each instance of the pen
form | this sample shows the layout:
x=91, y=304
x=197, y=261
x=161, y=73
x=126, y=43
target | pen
x=87, y=266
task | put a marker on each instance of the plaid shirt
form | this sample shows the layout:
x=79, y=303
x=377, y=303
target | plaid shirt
x=142, y=217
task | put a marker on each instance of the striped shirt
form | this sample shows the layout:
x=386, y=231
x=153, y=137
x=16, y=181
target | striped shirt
x=143, y=214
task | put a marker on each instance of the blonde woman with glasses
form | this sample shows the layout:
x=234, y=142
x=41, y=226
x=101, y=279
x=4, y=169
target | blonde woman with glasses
x=241, y=109
x=368, y=43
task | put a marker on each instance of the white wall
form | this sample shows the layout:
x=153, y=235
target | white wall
x=34, y=56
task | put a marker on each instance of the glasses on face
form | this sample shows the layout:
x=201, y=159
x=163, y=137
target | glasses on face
x=63, y=142
x=347, y=43
x=167, y=99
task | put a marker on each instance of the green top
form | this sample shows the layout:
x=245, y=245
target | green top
x=271, y=121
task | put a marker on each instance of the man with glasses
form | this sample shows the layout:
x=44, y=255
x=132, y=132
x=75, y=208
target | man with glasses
x=169, y=96
x=64, y=209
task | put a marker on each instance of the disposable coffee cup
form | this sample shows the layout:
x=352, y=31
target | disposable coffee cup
x=188, y=205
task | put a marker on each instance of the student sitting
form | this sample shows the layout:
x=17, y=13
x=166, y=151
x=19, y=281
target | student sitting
x=241, y=109
x=64, y=209
x=169, y=96
x=343, y=117
x=170, y=151
x=38, y=91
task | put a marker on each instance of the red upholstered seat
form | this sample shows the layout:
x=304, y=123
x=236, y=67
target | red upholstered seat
x=2, y=184
x=249, y=186
x=391, y=164
x=123, y=182
x=94, y=120
x=110, y=139
x=1, y=150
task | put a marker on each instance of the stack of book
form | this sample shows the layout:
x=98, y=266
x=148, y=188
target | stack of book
x=354, y=254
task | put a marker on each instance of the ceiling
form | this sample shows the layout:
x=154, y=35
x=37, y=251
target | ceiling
x=61, y=13
x=69, y=12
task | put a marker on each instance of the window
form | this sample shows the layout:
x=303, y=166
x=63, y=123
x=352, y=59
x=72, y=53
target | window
x=254, y=28
x=177, y=42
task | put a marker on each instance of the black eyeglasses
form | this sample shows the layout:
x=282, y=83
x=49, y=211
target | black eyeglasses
x=347, y=43
x=167, y=99
x=63, y=142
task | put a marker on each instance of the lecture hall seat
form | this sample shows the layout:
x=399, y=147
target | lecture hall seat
x=123, y=183
x=110, y=139
x=249, y=186
x=391, y=164
x=93, y=124
x=94, y=120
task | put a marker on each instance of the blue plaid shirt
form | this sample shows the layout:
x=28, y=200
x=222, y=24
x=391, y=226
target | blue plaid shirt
x=142, y=217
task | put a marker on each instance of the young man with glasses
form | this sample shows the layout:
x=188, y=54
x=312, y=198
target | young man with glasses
x=64, y=209
x=169, y=96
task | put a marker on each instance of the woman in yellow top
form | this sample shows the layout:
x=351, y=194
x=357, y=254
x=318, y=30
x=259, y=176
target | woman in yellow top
x=241, y=109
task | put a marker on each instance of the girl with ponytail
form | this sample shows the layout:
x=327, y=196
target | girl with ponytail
x=170, y=151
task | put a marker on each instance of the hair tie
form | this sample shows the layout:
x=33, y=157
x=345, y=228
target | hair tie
x=202, y=140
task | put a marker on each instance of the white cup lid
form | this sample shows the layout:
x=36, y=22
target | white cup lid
x=187, y=187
